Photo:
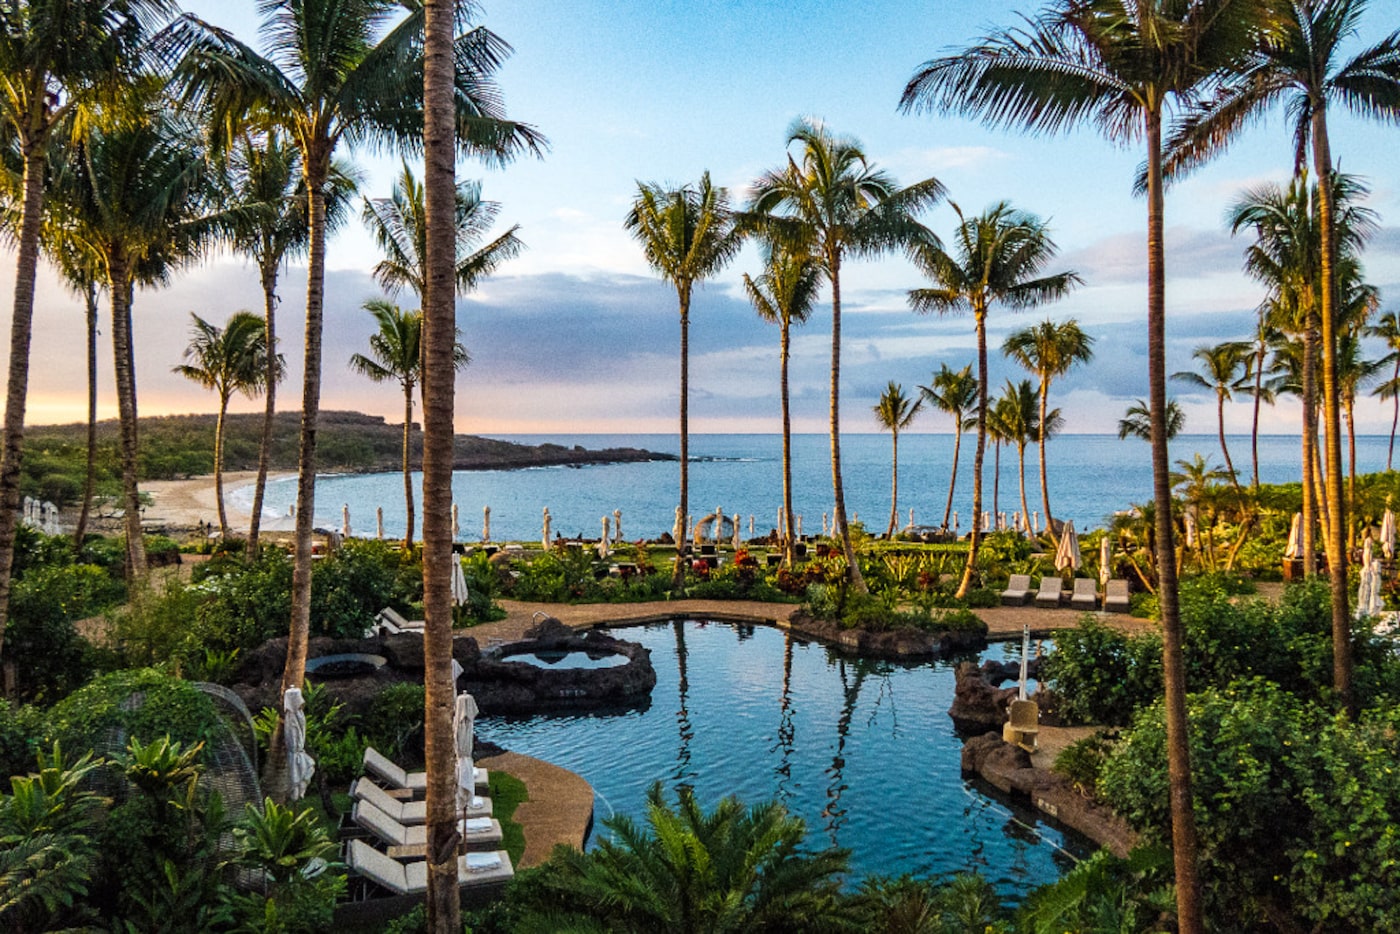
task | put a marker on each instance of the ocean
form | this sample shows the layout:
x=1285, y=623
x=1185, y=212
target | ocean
x=1090, y=478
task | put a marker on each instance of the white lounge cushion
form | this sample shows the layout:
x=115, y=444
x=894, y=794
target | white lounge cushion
x=408, y=812
x=412, y=878
x=392, y=833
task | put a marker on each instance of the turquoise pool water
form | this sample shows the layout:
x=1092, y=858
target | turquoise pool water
x=863, y=750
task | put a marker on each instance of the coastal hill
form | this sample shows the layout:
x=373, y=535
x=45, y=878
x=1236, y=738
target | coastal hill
x=177, y=446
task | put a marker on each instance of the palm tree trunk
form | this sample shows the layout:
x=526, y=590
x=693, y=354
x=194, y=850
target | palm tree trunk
x=1224, y=449
x=789, y=537
x=838, y=490
x=678, y=573
x=1021, y=457
x=996, y=477
x=440, y=332
x=124, y=364
x=1309, y=543
x=1349, y=413
x=1320, y=486
x=17, y=384
x=407, y=463
x=268, y=274
x=953, y=481
x=1395, y=413
x=894, y=483
x=219, y=461
x=1184, y=838
x=1254, y=425
x=90, y=474
x=974, y=541
x=1044, y=438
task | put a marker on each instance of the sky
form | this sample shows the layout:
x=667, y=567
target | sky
x=577, y=335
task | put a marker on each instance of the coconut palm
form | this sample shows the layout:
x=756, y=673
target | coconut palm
x=785, y=294
x=1225, y=372
x=1119, y=67
x=1137, y=421
x=1298, y=61
x=396, y=356
x=1387, y=329
x=688, y=235
x=999, y=432
x=1018, y=416
x=228, y=359
x=1048, y=350
x=48, y=76
x=1260, y=391
x=954, y=392
x=398, y=224
x=830, y=198
x=339, y=71
x=999, y=258
x=895, y=412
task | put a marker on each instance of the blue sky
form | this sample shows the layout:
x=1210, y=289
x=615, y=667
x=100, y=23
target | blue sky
x=577, y=335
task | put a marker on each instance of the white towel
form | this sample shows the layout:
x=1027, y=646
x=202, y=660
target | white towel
x=478, y=824
x=483, y=862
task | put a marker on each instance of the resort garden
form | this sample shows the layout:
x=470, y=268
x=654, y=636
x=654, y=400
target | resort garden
x=1248, y=740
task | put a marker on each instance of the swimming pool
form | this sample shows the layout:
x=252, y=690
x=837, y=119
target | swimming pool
x=861, y=749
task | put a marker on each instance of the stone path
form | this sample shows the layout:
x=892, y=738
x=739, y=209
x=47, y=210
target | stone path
x=559, y=810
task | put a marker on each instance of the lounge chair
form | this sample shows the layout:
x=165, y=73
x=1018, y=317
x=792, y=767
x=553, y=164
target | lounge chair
x=1018, y=591
x=1049, y=592
x=407, y=812
x=1115, y=597
x=477, y=831
x=393, y=775
x=390, y=621
x=412, y=878
x=1086, y=594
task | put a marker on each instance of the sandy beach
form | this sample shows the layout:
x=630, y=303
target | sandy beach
x=187, y=503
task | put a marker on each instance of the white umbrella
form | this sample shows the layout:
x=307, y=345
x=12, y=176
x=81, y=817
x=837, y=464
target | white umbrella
x=485, y=523
x=799, y=525
x=678, y=530
x=379, y=521
x=738, y=540
x=1105, y=561
x=1367, y=553
x=603, y=542
x=1067, y=555
x=1035, y=522
x=955, y=520
x=300, y=766
x=1368, y=593
x=544, y=536
x=617, y=525
x=345, y=520
x=1190, y=530
x=456, y=524
x=1001, y=520
x=750, y=525
x=1294, y=537
x=463, y=720
x=1388, y=535
x=459, y=583
x=719, y=525
x=910, y=526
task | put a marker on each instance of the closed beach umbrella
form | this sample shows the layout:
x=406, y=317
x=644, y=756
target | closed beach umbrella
x=459, y=583
x=955, y=520
x=1190, y=530
x=910, y=526
x=544, y=535
x=456, y=523
x=345, y=520
x=1067, y=555
x=463, y=722
x=300, y=766
x=826, y=525
x=379, y=521
x=603, y=542
x=485, y=523
x=719, y=525
x=1105, y=561
x=799, y=525
x=1035, y=522
x=1368, y=552
x=1294, y=537
x=738, y=532
x=678, y=529
x=750, y=525
x=1368, y=595
x=617, y=525
x=1388, y=535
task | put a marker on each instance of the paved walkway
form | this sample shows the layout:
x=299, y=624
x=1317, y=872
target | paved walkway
x=559, y=809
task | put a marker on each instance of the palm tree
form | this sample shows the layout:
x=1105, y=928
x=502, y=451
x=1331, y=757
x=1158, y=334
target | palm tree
x=895, y=412
x=340, y=71
x=48, y=76
x=1000, y=256
x=1225, y=369
x=228, y=360
x=398, y=224
x=1117, y=66
x=1048, y=350
x=1137, y=421
x=784, y=294
x=688, y=235
x=1018, y=416
x=729, y=869
x=954, y=392
x=1387, y=329
x=1298, y=60
x=1260, y=391
x=396, y=355
x=832, y=199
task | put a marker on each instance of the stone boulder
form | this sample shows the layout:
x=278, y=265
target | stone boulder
x=505, y=686
x=976, y=704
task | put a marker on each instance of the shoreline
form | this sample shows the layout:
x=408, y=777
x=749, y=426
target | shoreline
x=187, y=503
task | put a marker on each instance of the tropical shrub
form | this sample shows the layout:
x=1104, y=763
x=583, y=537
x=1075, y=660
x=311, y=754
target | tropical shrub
x=1105, y=893
x=1082, y=762
x=155, y=626
x=21, y=727
x=51, y=657
x=288, y=849
x=90, y=716
x=394, y=722
x=1101, y=675
x=354, y=582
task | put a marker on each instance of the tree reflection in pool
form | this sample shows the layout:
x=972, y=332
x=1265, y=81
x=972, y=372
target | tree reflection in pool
x=861, y=749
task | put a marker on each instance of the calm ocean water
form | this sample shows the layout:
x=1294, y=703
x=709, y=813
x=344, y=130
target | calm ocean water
x=1091, y=477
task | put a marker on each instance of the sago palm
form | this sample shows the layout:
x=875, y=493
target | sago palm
x=1048, y=350
x=1224, y=372
x=688, y=236
x=785, y=294
x=831, y=199
x=999, y=258
x=895, y=412
x=954, y=392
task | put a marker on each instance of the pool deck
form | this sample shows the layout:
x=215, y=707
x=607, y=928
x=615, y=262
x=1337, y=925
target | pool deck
x=559, y=808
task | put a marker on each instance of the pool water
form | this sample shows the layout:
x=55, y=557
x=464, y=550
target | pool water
x=577, y=658
x=862, y=750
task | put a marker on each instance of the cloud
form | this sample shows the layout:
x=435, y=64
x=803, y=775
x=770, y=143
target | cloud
x=1190, y=252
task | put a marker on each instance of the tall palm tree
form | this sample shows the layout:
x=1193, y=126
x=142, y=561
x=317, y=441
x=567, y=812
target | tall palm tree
x=228, y=359
x=48, y=76
x=1260, y=391
x=1000, y=256
x=340, y=71
x=831, y=198
x=1048, y=350
x=785, y=294
x=396, y=355
x=1117, y=66
x=895, y=412
x=1387, y=329
x=1225, y=372
x=1353, y=372
x=1018, y=417
x=1137, y=421
x=688, y=235
x=1298, y=60
x=954, y=392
